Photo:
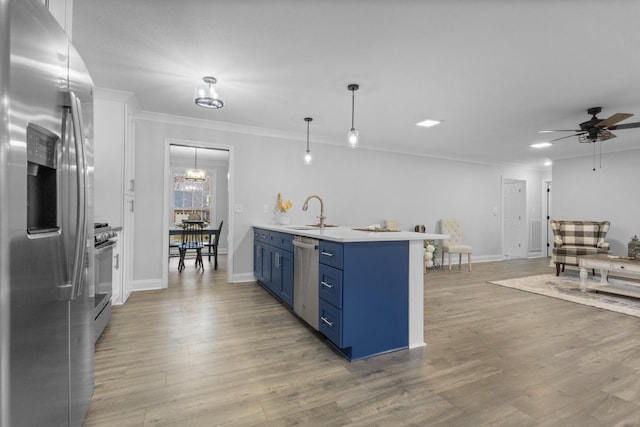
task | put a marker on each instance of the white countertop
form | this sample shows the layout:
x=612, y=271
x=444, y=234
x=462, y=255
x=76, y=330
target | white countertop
x=348, y=234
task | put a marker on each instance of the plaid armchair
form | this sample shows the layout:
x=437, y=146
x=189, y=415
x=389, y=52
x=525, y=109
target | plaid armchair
x=575, y=238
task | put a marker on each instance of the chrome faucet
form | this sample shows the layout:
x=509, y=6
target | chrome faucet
x=305, y=206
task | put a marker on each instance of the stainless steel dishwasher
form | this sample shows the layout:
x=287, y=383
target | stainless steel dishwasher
x=305, y=279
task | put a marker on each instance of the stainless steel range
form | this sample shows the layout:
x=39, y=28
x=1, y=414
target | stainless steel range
x=105, y=239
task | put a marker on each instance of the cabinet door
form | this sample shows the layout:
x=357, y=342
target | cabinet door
x=261, y=261
x=286, y=280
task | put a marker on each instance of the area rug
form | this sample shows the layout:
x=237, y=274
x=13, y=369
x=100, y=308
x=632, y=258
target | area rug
x=567, y=287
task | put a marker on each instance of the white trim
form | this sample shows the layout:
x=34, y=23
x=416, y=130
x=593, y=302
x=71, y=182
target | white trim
x=243, y=278
x=147, y=285
x=295, y=136
x=416, y=294
x=167, y=194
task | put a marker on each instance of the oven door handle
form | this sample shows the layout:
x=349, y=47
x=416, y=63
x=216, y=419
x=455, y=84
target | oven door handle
x=109, y=244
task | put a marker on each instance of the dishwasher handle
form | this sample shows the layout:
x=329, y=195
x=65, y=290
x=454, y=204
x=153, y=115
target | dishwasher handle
x=305, y=245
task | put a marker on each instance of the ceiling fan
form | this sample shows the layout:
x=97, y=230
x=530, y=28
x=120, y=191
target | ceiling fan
x=598, y=130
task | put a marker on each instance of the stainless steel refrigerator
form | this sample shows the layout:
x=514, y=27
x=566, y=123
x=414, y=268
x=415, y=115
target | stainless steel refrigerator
x=46, y=218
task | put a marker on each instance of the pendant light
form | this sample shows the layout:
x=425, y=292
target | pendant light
x=352, y=136
x=206, y=95
x=307, y=155
x=195, y=174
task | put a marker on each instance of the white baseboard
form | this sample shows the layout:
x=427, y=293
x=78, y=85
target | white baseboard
x=243, y=278
x=147, y=285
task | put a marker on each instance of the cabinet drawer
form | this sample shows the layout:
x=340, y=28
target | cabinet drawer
x=331, y=253
x=260, y=235
x=331, y=322
x=331, y=285
x=630, y=267
x=282, y=240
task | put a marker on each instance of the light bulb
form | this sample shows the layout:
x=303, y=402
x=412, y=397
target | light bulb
x=353, y=138
x=307, y=158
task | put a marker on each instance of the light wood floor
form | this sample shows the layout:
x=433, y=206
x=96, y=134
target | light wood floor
x=205, y=352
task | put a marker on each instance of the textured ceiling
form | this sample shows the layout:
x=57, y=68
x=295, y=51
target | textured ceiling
x=495, y=72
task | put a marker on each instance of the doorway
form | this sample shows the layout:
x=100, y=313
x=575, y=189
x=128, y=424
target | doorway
x=208, y=198
x=514, y=203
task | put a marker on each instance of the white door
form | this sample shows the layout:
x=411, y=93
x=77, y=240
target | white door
x=514, y=202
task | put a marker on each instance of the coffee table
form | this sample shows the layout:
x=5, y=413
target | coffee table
x=608, y=264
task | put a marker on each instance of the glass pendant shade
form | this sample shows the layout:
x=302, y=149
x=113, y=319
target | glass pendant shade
x=352, y=138
x=307, y=158
x=206, y=96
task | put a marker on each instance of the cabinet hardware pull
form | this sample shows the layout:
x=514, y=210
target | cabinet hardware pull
x=326, y=253
x=325, y=284
x=324, y=319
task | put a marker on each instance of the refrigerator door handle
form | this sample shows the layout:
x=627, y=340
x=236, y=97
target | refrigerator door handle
x=80, y=252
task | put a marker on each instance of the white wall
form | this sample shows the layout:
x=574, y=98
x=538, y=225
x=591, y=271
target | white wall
x=610, y=193
x=359, y=187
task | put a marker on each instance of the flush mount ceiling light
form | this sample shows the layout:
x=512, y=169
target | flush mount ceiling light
x=352, y=136
x=428, y=123
x=541, y=145
x=195, y=174
x=206, y=95
x=307, y=154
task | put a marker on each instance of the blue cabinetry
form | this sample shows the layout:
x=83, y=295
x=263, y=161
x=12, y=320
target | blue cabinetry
x=273, y=263
x=363, y=289
x=364, y=296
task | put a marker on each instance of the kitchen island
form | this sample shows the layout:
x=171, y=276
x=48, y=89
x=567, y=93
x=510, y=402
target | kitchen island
x=371, y=297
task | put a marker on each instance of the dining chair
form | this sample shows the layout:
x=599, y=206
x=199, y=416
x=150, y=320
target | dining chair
x=191, y=241
x=213, y=246
x=454, y=244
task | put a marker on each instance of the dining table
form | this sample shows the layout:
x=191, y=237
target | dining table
x=208, y=231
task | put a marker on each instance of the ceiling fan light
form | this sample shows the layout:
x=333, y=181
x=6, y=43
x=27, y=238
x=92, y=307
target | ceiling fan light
x=206, y=96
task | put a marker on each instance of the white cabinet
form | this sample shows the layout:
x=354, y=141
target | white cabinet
x=114, y=183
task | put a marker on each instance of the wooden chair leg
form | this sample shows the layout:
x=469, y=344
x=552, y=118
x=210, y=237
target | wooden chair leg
x=557, y=269
x=460, y=261
x=469, y=260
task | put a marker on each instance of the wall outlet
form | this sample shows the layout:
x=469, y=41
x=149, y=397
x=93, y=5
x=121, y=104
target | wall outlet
x=265, y=209
x=238, y=208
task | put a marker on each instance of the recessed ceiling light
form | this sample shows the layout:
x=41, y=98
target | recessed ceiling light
x=428, y=123
x=548, y=163
x=541, y=145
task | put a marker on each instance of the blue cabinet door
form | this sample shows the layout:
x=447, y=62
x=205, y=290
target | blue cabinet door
x=286, y=280
x=261, y=261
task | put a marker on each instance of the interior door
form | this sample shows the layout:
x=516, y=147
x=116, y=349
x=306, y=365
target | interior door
x=514, y=220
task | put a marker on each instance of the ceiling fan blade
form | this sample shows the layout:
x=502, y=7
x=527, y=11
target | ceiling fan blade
x=559, y=130
x=568, y=136
x=625, y=126
x=617, y=117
